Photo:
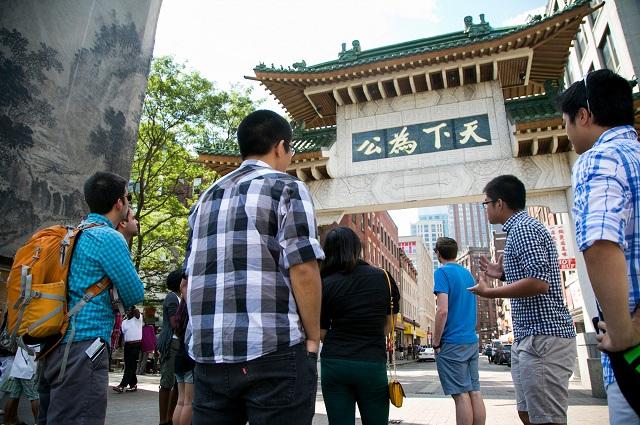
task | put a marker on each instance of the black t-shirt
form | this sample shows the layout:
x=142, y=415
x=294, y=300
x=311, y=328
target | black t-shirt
x=354, y=311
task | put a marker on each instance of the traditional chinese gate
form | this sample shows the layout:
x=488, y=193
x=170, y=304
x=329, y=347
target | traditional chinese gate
x=430, y=122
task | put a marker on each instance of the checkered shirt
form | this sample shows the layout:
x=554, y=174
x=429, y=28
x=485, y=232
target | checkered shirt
x=101, y=251
x=606, y=184
x=530, y=252
x=246, y=231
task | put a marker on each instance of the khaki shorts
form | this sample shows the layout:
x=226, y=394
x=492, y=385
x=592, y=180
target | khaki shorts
x=541, y=366
x=167, y=366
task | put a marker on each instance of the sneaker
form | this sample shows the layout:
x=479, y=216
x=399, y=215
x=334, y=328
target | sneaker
x=131, y=389
x=118, y=389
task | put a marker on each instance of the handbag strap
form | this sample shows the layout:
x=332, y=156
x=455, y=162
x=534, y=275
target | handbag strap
x=392, y=333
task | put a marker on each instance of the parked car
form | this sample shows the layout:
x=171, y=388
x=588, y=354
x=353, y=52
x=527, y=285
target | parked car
x=503, y=355
x=426, y=353
x=495, y=343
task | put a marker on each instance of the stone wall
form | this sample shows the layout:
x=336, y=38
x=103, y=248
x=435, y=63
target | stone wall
x=72, y=80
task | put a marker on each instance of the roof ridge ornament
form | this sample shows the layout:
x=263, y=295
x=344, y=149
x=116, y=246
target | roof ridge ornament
x=476, y=30
x=351, y=54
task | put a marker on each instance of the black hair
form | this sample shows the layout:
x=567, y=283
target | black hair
x=173, y=280
x=447, y=248
x=609, y=97
x=509, y=189
x=102, y=190
x=342, y=249
x=260, y=131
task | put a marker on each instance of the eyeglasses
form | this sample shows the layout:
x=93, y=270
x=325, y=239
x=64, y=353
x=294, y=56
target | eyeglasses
x=127, y=197
x=485, y=203
x=292, y=150
x=586, y=91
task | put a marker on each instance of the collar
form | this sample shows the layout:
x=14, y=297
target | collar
x=98, y=218
x=620, y=132
x=256, y=162
x=513, y=220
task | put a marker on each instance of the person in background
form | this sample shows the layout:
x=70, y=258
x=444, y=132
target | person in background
x=168, y=345
x=149, y=342
x=132, y=333
x=184, y=364
x=356, y=315
x=22, y=381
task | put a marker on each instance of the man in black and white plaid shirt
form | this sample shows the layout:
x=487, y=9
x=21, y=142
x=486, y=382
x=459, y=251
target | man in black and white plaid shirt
x=544, y=350
x=254, y=291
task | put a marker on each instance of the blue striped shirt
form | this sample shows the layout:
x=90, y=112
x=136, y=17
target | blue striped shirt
x=101, y=251
x=606, y=184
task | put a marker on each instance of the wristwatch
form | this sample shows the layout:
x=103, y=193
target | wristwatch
x=436, y=347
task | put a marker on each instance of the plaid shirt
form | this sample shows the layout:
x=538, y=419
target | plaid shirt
x=606, y=184
x=101, y=251
x=247, y=230
x=530, y=252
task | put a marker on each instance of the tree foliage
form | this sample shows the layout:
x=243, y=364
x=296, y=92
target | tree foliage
x=182, y=112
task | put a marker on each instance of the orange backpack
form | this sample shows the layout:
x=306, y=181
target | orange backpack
x=37, y=300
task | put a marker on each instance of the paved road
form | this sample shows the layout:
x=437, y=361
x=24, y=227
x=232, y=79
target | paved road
x=425, y=404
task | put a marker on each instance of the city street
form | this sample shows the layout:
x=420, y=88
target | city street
x=425, y=404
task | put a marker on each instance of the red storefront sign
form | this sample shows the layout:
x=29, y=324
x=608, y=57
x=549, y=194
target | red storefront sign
x=567, y=263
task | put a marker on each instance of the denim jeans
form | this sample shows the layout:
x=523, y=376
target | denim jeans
x=278, y=388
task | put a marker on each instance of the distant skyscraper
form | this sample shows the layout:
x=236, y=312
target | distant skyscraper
x=431, y=226
x=470, y=227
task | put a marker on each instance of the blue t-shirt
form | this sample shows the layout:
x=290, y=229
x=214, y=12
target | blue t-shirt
x=453, y=279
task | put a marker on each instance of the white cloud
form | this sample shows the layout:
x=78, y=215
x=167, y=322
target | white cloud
x=522, y=18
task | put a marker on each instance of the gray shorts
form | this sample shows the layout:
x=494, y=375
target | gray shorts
x=167, y=365
x=81, y=397
x=620, y=413
x=458, y=368
x=541, y=366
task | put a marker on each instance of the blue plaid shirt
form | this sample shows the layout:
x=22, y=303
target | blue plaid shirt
x=101, y=251
x=606, y=206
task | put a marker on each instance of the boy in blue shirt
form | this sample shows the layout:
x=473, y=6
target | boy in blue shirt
x=455, y=340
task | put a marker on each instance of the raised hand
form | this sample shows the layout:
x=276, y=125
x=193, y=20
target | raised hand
x=493, y=270
x=482, y=287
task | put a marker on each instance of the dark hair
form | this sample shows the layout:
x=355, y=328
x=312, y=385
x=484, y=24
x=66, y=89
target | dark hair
x=509, y=189
x=609, y=97
x=173, y=280
x=447, y=248
x=260, y=131
x=102, y=190
x=342, y=249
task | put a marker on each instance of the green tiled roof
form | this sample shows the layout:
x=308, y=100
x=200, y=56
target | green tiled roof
x=533, y=108
x=538, y=108
x=479, y=33
x=303, y=141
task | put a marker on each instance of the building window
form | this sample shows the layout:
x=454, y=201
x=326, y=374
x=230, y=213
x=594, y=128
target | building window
x=353, y=218
x=608, y=51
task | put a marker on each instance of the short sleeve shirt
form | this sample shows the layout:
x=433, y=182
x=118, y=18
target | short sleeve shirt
x=454, y=280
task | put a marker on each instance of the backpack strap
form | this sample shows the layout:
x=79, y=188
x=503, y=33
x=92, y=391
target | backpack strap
x=91, y=292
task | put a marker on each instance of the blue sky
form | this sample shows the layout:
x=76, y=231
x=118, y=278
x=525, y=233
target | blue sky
x=225, y=39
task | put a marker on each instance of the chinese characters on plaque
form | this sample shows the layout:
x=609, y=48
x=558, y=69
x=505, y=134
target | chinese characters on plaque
x=437, y=136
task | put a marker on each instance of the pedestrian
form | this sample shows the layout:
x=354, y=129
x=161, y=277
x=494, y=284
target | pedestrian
x=149, y=343
x=455, y=341
x=183, y=365
x=598, y=113
x=544, y=350
x=254, y=286
x=356, y=316
x=168, y=345
x=22, y=381
x=132, y=334
x=80, y=393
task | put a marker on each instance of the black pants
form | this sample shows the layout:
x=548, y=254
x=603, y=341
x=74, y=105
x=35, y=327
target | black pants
x=279, y=388
x=131, y=353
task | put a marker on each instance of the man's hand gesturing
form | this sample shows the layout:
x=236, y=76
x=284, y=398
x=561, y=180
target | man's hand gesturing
x=494, y=270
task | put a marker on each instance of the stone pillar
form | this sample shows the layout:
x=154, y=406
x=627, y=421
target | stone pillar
x=76, y=74
x=589, y=361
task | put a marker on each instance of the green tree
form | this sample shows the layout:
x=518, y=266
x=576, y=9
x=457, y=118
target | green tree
x=182, y=112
